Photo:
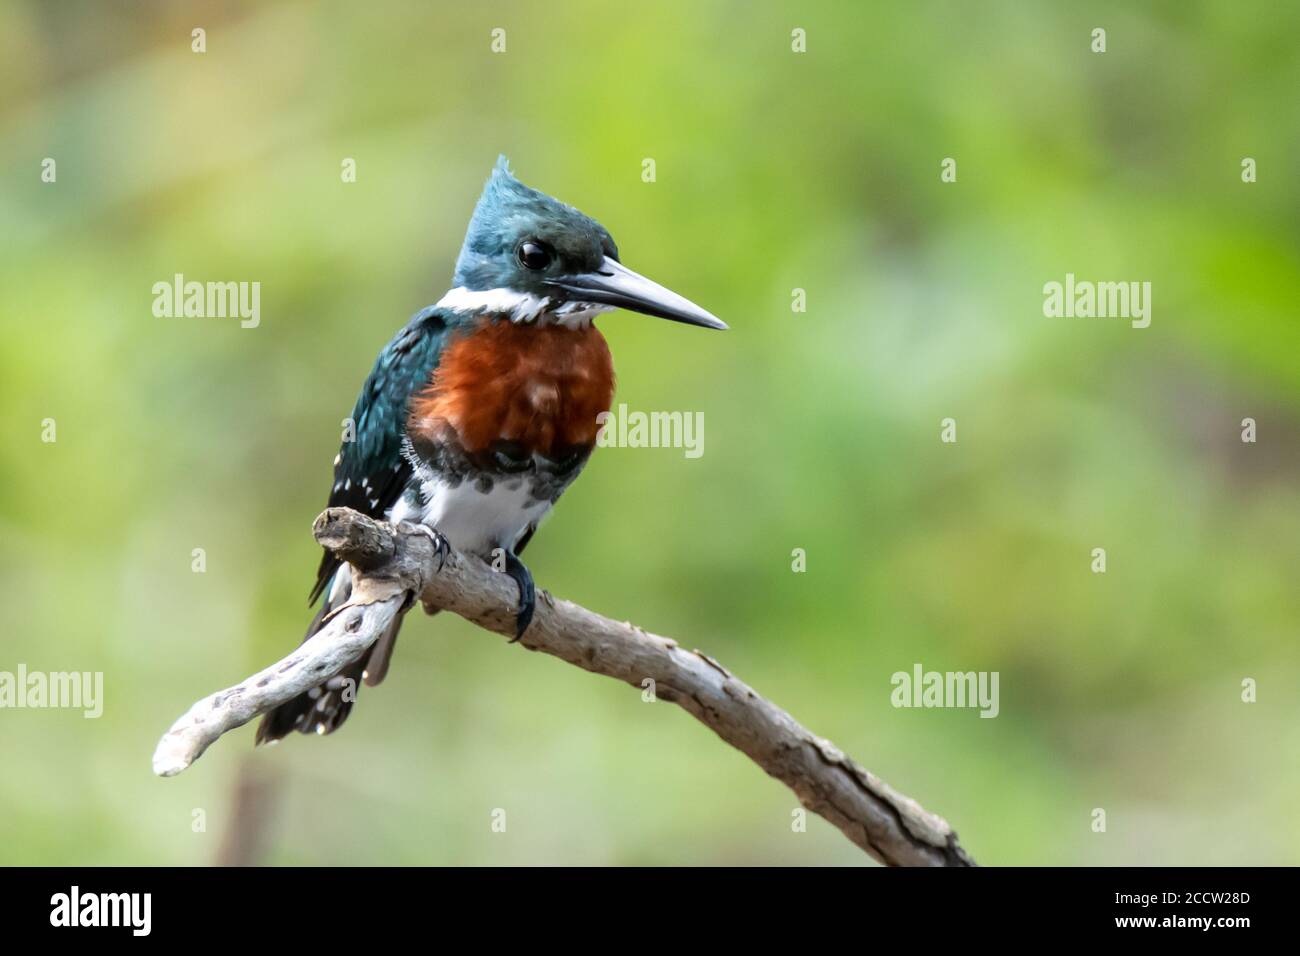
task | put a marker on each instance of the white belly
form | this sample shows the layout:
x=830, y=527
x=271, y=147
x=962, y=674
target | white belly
x=478, y=521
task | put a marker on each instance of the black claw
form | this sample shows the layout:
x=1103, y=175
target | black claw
x=441, y=546
x=527, y=593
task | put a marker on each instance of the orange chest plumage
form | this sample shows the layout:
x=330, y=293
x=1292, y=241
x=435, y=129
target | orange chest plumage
x=539, y=386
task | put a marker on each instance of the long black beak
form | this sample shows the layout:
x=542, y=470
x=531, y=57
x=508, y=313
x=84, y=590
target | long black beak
x=615, y=284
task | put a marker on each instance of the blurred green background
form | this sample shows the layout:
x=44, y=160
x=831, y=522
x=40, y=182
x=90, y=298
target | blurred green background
x=775, y=171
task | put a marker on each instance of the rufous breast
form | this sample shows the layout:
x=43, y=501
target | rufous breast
x=539, y=386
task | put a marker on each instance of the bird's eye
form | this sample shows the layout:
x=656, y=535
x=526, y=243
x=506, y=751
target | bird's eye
x=533, y=255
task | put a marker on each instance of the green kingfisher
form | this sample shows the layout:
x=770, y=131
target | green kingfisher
x=483, y=408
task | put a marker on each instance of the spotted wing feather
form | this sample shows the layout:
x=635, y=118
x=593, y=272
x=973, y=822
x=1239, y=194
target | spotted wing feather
x=370, y=472
x=369, y=476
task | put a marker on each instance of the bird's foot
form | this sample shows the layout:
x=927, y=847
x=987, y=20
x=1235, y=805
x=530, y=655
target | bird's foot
x=527, y=593
x=441, y=547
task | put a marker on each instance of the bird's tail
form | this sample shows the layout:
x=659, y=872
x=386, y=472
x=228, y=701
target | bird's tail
x=322, y=709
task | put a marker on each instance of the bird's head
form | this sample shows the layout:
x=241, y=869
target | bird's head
x=527, y=255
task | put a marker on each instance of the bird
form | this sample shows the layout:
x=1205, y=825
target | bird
x=482, y=409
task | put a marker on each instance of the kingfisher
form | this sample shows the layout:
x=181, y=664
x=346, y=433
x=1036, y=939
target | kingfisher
x=482, y=409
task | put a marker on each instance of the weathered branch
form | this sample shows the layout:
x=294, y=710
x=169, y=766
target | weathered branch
x=395, y=567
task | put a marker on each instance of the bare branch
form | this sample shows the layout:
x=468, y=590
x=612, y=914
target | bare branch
x=393, y=568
